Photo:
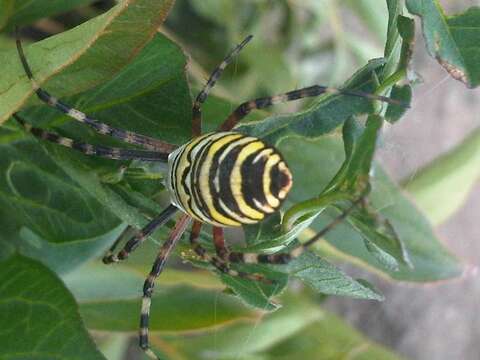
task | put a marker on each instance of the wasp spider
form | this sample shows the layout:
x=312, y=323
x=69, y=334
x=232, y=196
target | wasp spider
x=222, y=178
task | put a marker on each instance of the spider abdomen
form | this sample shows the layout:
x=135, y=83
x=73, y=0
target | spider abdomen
x=228, y=179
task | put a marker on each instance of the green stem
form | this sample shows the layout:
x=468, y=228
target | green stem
x=393, y=79
x=310, y=206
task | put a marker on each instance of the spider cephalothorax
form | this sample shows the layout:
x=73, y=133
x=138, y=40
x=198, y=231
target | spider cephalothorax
x=222, y=178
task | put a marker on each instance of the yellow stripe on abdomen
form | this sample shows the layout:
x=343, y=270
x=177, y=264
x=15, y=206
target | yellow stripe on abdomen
x=204, y=180
x=236, y=180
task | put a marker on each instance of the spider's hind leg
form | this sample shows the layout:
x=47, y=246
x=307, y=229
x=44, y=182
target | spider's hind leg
x=220, y=264
x=285, y=257
x=158, y=265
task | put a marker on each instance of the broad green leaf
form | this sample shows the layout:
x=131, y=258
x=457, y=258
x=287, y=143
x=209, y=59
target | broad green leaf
x=38, y=316
x=300, y=330
x=82, y=57
x=65, y=256
x=328, y=338
x=452, y=40
x=7, y=10
x=325, y=278
x=6, y=42
x=21, y=12
x=110, y=300
x=241, y=340
x=440, y=188
x=430, y=260
x=55, y=208
x=60, y=209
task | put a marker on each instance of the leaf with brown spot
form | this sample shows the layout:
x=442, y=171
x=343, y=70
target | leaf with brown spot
x=452, y=40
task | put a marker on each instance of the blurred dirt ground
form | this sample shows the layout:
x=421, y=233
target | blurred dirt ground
x=437, y=321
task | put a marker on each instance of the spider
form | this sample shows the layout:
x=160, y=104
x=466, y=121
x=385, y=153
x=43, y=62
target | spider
x=223, y=178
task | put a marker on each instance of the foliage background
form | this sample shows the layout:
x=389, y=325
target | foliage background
x=399, y=152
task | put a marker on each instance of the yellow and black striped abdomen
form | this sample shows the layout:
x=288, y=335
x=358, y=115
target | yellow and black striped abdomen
x=228, y=179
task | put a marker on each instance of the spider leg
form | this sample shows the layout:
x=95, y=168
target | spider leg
x=219, y=242
x=157, y=268
x=95, y=150
x=104, y=129
x=220, y=264
x=119, y=239
x=311, y=91
x=140, y=237
x=284, y=258
x=203, y=94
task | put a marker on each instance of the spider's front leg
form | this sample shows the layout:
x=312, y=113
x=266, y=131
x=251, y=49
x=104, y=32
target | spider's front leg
x=106, y=152
x=312, y=91
x=203, y=94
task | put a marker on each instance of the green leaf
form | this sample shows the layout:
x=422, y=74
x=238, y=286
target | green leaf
x=255, y=293
x=21, y=12
x=300, y=330
x=56, y=208
x=452, y=40
x=406, y=29
x=329, y=338
x=242, y=340
x=82, y=57
x=110, y=300
x=85, y=210
x=393, y=37
x=327, y=279
x=360, y=143
x=401, y=93
x=380, y=239
x=66, y=256
x=270, y=236
x=7, y=10
x=362, y=156
x=440, y=188
x=38, y=316
x=430, y=260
